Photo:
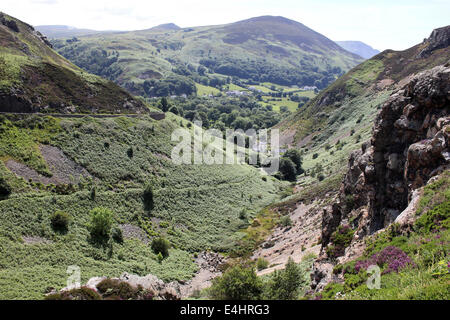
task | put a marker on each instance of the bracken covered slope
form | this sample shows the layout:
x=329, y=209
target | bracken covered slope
x=34, y=78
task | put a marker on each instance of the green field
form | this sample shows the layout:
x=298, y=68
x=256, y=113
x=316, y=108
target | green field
x=206, y=90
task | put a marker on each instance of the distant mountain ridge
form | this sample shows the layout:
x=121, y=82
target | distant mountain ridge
x=359, y=48
x=63, y=31
x=167, y=60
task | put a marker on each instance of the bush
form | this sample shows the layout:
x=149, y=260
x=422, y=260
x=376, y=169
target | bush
x=286, y=283
x=117, y=235
x=340, y=240
x=262, y=264
x=148, y=196
x=130, y=152
x=60, y=220
x=5, y=188
x=296, y=158
x=243, y=214
x=161, y=246
x=101, y=222
x=315, y=156
x=237, y=283
x=287, y=169
x=286, y=221
x=435, y=219
x=390, y=259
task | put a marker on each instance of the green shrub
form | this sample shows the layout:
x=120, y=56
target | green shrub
x=288, y=169
x=286, y=221
x=435, y=219
x=340, y=240
x=130, y=152
x=237, y=283
x=5, y=188
x=262, y=264
x=60, y=220
x=285, y=283
x=101, y=223
x=315, y=156
x=148, y=196
x=296, y=158
x=330, y=290
x=117, y=235
x=161, y=246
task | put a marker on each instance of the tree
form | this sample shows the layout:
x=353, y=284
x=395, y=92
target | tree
x=101, y=223
x=286, y=283
x=296, y=158
x=164, y=104
x=60, y=220
x=287, y=169
x=237, y=283
x=160, y=246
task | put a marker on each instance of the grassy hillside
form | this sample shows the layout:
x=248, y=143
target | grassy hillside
x=33, y=77
x=164, y=61
x=195, y=207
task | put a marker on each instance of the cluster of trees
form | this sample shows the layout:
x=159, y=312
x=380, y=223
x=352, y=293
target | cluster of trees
x=96, y=61
x=242, y=283
x=237, y=113
x=265, y=71
x=171, y=85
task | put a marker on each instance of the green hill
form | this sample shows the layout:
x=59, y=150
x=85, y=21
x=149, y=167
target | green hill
x=33, y=77
x=167, y=61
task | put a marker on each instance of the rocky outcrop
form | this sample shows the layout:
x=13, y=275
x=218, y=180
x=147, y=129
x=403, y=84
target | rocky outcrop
x=149, y=283
x=439, y=38
x=11, y=24
x=409, y=145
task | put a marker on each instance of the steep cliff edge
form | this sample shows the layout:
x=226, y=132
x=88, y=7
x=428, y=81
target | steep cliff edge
x=409, y=145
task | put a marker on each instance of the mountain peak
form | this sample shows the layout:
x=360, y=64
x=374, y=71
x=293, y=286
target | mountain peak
x=166, y=26
x=359, y=48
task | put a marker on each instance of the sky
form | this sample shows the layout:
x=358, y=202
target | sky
x=382, y=24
